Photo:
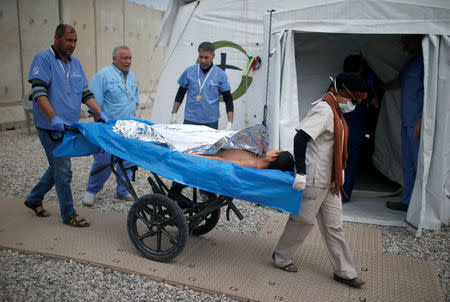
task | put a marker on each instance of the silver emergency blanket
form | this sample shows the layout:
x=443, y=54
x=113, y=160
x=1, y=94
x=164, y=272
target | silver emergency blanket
x=195, y=139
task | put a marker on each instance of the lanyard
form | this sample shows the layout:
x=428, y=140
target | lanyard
x=62, y=67
x=124, y=80
x=204, y=81
x=66, y=73
x=68, y=70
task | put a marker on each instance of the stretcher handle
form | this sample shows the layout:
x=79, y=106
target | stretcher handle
x=70, y=128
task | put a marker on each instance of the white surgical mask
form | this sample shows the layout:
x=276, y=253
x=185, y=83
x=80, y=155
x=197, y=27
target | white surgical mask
x=347, y=107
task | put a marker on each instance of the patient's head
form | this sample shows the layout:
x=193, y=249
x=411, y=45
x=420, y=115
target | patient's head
x=284, y=162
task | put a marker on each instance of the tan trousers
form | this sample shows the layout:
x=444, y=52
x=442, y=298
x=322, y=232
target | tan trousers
x=318, y=203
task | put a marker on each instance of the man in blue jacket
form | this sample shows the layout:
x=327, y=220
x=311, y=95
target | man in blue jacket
x=116, y=91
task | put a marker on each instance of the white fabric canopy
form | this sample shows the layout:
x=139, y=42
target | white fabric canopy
x=309, y=41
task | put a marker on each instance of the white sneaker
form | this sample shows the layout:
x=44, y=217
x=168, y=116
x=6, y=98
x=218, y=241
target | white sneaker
x=89, y=199
x=125, y=197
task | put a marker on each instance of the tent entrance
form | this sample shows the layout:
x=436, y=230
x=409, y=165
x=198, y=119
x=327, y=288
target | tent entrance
x=368, y=202
x=321, y=55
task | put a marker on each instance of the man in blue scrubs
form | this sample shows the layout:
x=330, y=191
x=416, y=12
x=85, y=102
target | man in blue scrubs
x=59, y=87
x=116, y=91
x=410, y=80
x=204, y=83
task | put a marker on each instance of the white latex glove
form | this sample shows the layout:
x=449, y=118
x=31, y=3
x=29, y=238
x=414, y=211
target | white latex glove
x=229, y=126
x=173, y=118
x=299, y=182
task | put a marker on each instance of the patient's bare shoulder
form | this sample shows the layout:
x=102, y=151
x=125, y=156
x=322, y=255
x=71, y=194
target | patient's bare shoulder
x=235, y=154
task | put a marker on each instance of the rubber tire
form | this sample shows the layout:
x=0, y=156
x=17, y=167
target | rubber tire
x=210, y=222
x=179, y=221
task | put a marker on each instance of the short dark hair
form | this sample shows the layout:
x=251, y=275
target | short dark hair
x=206, y=46
x=63, y=28
x=352, y=63
x=412, y=43
x=284, y=162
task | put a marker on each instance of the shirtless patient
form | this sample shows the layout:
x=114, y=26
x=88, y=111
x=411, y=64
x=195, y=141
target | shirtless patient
x=275, y=159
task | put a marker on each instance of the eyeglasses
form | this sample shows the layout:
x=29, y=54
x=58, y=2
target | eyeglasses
x=354, y=100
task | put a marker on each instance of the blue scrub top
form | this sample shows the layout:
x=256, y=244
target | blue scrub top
x=65, y=99
x=116, y=98
x=207, y=109
x=410, y=80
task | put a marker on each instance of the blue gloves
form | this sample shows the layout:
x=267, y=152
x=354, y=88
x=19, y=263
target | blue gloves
x=58, y=123
x=102, y=117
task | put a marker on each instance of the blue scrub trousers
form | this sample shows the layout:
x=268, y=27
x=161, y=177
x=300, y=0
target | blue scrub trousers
x=96, y=182
x=410, y=151
x=214, y=125
x=354, y=146
x=356, y=121
x=58, y=174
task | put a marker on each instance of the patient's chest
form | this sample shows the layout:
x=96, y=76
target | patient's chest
x=235, y=154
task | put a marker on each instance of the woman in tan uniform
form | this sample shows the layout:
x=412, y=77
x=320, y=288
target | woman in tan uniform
x=320, y=151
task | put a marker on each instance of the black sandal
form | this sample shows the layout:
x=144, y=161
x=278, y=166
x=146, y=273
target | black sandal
x=42, y=213
x=72, y=221
x=289, y=268
x=355, y=282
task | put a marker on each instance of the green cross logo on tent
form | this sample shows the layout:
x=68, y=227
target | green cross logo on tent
x=246, y=80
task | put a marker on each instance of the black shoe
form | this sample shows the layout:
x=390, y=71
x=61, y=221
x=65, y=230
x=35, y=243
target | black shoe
x=397, y=206
x=355, y=282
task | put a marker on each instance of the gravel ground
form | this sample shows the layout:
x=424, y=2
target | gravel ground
x=35, y=278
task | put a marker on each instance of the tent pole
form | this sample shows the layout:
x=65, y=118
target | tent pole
x=264, y=122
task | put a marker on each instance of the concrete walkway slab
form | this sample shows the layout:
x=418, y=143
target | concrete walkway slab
x=227, y=263
x=357, y=237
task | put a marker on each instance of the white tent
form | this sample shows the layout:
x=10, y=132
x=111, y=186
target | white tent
x=309, y=41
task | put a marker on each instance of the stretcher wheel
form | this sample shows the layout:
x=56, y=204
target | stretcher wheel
x=208, y=223
x=157, y=227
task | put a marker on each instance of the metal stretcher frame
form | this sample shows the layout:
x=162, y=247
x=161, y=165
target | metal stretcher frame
x=166, y=223
x=157, y=225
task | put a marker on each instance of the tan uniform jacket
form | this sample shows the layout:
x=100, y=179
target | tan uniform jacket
x=319, y=124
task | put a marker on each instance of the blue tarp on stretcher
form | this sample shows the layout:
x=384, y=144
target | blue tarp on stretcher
x=272, y=188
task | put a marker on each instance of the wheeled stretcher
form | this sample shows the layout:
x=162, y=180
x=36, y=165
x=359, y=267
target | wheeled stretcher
x=158, y=225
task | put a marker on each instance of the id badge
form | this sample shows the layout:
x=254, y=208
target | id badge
x=197, y=100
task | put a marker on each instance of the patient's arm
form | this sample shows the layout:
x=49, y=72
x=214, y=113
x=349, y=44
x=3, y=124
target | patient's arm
x=243, y=158
x=245, y=162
